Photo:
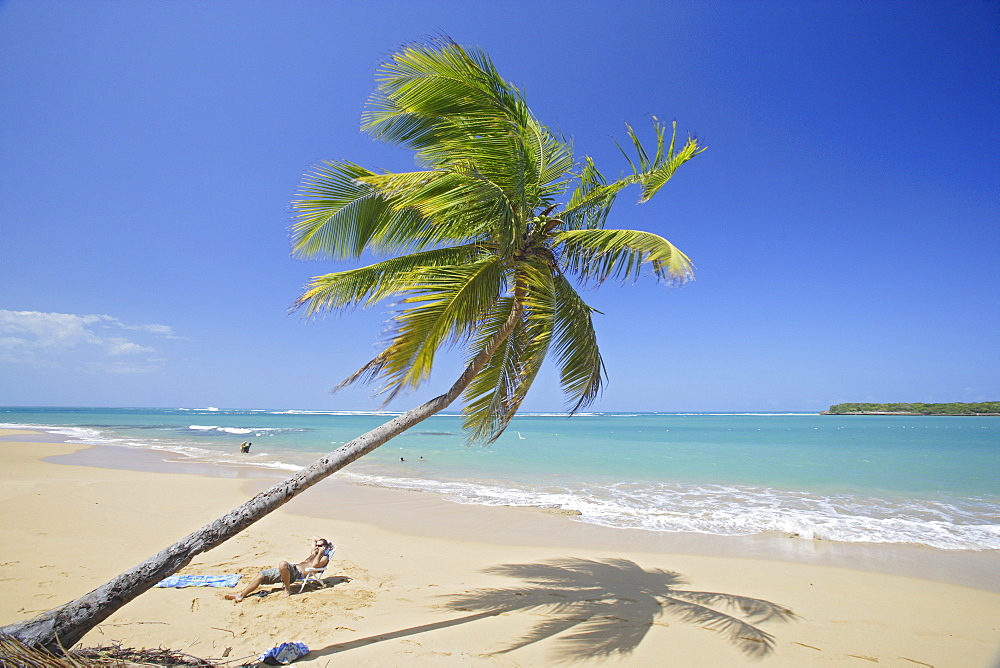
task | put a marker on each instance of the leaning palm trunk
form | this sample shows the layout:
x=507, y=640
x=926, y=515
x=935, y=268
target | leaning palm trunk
x=482, y=233
x=61, y=628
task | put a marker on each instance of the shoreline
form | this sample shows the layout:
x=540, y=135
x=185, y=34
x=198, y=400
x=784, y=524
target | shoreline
x=401, y=511
x=421, y=581
x=724, y=475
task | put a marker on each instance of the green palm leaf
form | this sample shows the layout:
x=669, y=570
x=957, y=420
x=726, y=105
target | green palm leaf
x=340, y=216
x=432, y=93
x=591, y=200
x=462, y=204
x=654, y=172
x=597, y=255
x=581, y=368
x=490, y=396
x=444, y=307
x=593, y=197
x=496, y=394
x=366, y=286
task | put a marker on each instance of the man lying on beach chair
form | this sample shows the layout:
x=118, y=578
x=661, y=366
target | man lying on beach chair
x=287, y=573
x=315, y=573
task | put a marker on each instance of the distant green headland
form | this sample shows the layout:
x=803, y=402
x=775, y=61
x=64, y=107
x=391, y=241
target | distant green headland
x=980, y=408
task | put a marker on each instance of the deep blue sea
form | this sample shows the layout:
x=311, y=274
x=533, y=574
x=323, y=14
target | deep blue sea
x=926, y=480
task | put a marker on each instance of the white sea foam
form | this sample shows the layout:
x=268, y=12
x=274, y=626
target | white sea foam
x=342, y=413
x=958, y=522
x=72, y=433
x=226, y=430
x=736, y=511
x=190, y=453
x=242, y=431
x=263, y=460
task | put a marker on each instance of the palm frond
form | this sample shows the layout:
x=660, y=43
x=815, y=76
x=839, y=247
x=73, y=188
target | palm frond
x=497, y=392
x=339, y=216
x=450, y=105
x=552, y=161
x=436, y=92
x=592, y=198
x=368, y=285
x=445, y=306
x=597, y=255
x=487, y=398
x=654, y=172
x=462, y=204
x=574, y=340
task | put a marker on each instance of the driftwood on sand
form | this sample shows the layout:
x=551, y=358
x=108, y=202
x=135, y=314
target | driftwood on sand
x=16, y=654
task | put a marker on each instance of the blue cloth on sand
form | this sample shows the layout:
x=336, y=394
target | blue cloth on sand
x=286, y=652
x=199, y=581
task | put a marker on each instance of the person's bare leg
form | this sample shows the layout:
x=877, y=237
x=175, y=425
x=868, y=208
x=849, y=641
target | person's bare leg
x=286, y=577
x=250, y=588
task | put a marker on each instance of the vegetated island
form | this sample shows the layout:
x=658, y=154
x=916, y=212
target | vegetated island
x=980, y=408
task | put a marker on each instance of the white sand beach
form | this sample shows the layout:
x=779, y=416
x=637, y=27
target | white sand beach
x=420, y=581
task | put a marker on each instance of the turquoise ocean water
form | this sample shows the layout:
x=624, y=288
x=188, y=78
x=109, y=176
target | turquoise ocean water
x=925, y=480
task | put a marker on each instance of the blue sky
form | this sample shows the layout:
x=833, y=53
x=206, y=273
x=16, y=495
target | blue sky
x=844, y=220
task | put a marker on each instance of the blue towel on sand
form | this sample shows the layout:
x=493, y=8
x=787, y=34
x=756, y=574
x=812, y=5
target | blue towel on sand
x=200, y=581
x=284, y=653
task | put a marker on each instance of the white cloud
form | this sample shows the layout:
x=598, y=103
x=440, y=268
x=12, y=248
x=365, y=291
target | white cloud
x=90, y=341
x=162, y=330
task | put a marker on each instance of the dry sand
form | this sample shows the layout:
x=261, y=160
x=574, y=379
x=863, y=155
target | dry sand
x=418, y=581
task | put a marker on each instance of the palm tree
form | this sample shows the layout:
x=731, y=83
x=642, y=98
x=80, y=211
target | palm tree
x=487, y=252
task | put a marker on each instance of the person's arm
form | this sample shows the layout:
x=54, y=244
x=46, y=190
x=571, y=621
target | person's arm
x=316, y=559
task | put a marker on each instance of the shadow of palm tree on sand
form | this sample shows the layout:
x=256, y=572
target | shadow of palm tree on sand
x=601, y=608
x=609, y=605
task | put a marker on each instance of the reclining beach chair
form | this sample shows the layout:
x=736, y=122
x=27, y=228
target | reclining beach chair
x=316, y=574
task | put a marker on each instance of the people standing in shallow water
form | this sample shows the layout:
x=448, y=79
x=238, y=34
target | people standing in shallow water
x=245, y=447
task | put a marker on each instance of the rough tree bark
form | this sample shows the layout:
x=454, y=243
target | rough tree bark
x=61, y=628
